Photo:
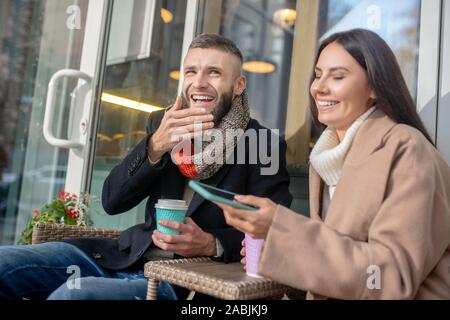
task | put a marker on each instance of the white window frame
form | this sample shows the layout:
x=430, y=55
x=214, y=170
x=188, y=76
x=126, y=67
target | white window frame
x=428, y=66
x=443, y=119
x=94, y=44
x=189, y=35
x=82, y=182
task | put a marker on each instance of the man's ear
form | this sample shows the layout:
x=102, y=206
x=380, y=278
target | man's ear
x=240, y=85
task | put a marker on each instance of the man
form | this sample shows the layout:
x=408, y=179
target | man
x=214, y=98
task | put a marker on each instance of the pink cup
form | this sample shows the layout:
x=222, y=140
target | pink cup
x=253, y=249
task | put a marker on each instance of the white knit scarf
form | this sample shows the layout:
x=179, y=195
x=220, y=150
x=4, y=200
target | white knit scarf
x=328, y=155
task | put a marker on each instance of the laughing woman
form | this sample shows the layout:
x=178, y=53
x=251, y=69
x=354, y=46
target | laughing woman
x=379, y=189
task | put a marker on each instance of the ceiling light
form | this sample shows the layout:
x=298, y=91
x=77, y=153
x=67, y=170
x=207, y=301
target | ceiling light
x=128, y=103
x=166, y=15
x=175, y=75
x=285, y=17
x=258, y=66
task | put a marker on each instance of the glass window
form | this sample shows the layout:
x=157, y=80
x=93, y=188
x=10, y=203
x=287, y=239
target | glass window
x=36, y=40
x=140, y=77
x=397, y=22
x=264, y=31
x=286, y=34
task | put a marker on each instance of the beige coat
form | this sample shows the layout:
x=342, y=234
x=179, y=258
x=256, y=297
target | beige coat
x=388, y=223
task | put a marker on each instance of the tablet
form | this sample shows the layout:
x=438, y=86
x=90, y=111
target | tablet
x=219, y=195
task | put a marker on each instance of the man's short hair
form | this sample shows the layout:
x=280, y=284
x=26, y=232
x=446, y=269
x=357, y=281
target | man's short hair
x=215, y=41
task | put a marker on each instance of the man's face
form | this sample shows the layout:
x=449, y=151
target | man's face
x=211, y=81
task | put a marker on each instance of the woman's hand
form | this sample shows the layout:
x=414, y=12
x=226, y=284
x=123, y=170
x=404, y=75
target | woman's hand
x=254, y=223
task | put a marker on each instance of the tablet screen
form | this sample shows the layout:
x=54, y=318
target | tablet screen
x=218, y=192
x=215, y=194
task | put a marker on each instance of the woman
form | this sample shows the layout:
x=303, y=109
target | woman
x=379, y=190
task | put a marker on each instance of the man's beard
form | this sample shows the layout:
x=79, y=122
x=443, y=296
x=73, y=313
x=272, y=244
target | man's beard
x=223, y=107
x=220, y=110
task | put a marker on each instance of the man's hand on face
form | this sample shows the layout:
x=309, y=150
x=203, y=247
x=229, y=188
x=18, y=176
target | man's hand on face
x=178, y=124
x=192, y=241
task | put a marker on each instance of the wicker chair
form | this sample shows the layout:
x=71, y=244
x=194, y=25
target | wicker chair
x=47, y=231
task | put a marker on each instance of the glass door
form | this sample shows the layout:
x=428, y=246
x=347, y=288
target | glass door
x=141, y=75
x=49, y=54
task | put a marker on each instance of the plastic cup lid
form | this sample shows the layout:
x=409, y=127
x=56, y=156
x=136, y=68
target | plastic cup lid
x=171, y=204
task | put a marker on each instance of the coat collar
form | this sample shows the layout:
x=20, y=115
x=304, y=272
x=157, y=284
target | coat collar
x=368, y=138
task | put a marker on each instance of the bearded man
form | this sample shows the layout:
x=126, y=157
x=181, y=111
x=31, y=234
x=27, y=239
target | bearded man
x=214, y=98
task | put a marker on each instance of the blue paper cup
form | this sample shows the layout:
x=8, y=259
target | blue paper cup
x=171, y=210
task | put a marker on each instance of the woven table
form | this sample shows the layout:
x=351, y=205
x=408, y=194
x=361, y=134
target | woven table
x=217, y=279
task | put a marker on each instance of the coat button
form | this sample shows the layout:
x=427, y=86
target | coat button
x=97, y=255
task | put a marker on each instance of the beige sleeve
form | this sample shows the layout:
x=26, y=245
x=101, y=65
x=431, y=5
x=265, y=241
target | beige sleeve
x=406, y=239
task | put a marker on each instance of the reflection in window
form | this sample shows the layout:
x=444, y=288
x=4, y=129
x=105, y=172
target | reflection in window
x=139, y=78
x=397, y=22
x=34, y=44
x=264, y=31
x=137, y=82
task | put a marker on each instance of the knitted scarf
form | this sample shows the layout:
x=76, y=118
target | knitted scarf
x=207, y=162
x=328, y=155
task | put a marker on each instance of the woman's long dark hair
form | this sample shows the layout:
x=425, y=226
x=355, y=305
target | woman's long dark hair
x=383, y=71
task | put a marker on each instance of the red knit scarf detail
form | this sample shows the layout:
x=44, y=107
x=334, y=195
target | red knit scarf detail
x=185, y=165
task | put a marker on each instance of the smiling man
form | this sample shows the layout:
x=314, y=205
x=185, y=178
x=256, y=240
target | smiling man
x=214, y=98
x=212, y=79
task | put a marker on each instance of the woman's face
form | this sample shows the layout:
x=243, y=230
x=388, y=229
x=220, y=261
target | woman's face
x=340, y=88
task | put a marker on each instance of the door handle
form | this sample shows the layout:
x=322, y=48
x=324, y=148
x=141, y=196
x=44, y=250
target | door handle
x=50, y=108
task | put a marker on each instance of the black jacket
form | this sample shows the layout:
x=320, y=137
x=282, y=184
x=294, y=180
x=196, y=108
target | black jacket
x=134, y=179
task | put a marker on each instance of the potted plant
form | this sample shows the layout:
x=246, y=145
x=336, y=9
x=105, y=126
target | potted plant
x=68, y=209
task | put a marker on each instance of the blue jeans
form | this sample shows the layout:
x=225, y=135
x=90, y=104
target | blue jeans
x=60, y=271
